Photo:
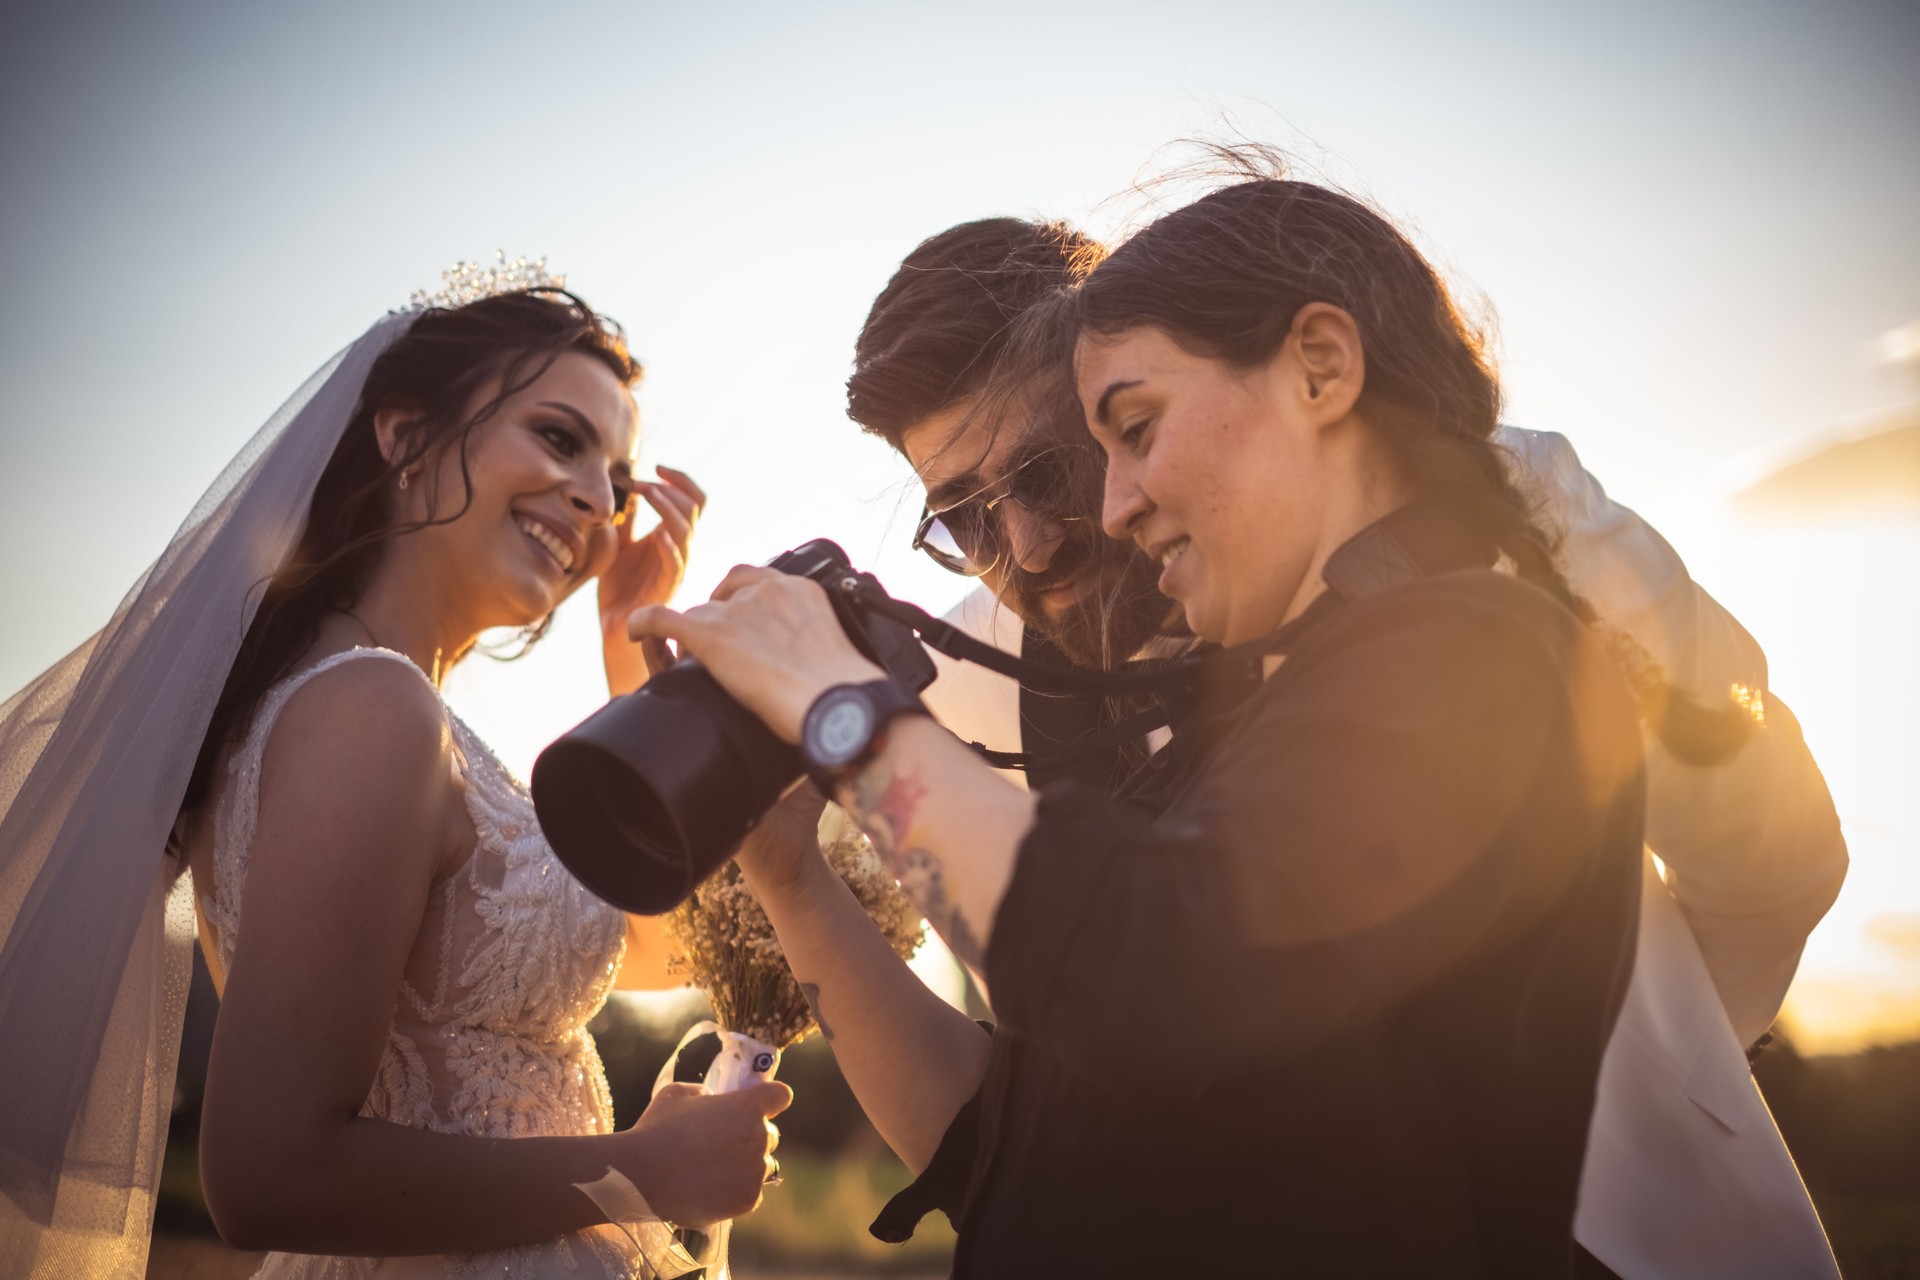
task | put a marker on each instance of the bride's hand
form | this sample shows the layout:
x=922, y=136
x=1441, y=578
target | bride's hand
x=700, y=1158
x=646, y=569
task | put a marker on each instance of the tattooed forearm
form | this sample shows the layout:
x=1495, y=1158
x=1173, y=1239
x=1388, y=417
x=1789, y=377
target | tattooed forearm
x=926, y=884
x=884, y=802
x=811, y=990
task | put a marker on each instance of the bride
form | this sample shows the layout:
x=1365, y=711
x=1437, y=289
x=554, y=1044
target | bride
x=401, y=1081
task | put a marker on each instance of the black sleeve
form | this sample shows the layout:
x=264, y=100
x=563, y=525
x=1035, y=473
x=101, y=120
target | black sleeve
x=1385, y=810
x=942, y=1185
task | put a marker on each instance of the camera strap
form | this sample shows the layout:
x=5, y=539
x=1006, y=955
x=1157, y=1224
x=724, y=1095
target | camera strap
x=1169, y=681
x=937, y=633
x=1132, y=729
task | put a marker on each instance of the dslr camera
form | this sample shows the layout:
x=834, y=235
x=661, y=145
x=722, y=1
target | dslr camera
x=650, y=794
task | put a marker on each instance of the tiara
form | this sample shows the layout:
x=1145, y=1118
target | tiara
x=466, y=282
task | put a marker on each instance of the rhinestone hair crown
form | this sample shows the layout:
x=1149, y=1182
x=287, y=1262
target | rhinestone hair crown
x=466, y=282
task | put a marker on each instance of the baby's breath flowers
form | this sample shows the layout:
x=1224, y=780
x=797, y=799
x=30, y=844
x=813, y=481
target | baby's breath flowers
x=725, y=944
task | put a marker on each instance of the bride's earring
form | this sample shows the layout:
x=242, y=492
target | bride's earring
x=403, y=479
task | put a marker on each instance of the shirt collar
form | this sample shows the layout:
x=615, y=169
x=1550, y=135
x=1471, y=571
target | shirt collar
x=1409, y=543
x=1416, y=540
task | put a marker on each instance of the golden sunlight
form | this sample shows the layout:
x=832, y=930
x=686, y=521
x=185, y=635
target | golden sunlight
x=1821, y=561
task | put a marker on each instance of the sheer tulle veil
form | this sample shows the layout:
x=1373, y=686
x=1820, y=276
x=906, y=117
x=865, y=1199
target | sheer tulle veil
x=95, y=757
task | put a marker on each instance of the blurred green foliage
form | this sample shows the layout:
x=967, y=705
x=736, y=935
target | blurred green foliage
x=816, y=1221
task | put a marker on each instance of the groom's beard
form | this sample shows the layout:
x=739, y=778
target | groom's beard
x=1118, y=611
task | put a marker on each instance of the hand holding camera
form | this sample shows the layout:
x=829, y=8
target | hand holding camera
x=655, y=790
x=771, y=639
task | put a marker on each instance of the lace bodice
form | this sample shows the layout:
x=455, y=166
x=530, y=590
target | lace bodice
x=489, y=1038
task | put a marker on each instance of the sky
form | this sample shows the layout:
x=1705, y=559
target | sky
x=1689, y=223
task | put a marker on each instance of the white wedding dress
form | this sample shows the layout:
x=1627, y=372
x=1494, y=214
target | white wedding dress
x=489, y=1035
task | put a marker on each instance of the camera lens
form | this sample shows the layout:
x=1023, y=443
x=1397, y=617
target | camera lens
x=650, y=794
x=621, y=838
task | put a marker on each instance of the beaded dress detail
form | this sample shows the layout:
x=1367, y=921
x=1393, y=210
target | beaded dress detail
x=489, y=1038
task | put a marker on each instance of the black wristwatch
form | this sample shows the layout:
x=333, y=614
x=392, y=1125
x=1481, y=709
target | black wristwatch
x=842, y=728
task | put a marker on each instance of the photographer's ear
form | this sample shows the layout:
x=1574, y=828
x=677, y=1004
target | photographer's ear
x=1328, y=362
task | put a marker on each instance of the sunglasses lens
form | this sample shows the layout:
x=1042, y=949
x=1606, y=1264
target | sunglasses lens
x=963, y=552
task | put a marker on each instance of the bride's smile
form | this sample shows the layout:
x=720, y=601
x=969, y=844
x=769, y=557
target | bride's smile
x=558, y=549
x=528, y=509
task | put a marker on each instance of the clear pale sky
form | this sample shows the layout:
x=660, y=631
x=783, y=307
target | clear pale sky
x=1690, y=221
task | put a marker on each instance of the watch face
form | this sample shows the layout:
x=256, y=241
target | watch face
x=841, y=730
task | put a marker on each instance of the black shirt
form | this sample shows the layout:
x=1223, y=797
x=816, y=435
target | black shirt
x=1050, y=722
x=1328, y=995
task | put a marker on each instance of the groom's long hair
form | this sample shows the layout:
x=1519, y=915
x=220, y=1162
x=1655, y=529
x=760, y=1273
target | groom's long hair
x=934, y=334
x=937, y=338
x=447, y=358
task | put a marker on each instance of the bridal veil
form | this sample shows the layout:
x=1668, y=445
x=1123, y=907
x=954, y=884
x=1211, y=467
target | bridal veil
x=95, y=757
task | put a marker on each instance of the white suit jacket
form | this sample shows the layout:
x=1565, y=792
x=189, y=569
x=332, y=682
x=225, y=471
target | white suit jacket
x=1686, y=1176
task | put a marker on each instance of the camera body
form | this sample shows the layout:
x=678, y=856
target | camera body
x=653, y=792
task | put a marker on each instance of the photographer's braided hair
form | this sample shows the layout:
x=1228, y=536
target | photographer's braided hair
x=1225, y=276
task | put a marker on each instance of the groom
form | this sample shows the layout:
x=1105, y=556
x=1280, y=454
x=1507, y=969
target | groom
x=1685, y=1173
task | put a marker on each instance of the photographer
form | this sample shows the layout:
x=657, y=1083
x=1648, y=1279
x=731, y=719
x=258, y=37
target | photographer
x=1683, y=1162
x=1372, y=915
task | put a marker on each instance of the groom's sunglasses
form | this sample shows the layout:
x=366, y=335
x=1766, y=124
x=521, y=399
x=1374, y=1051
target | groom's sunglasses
x=969, y=536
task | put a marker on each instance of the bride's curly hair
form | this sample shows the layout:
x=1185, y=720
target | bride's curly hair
x=447, y=357
x=1225, y=276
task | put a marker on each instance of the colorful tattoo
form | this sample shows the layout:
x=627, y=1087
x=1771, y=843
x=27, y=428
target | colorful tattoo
x=884, y=804
x=887, y=803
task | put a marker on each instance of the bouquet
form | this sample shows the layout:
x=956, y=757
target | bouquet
x=727, y=948
x=725, y=945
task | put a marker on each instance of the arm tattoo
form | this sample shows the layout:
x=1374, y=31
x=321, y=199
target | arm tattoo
x=811, y=990
x=924, y=882
x=884, y=803
x=888, y=801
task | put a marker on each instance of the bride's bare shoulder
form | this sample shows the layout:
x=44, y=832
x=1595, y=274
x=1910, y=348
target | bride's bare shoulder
x=364, y=745
x=369, y=703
